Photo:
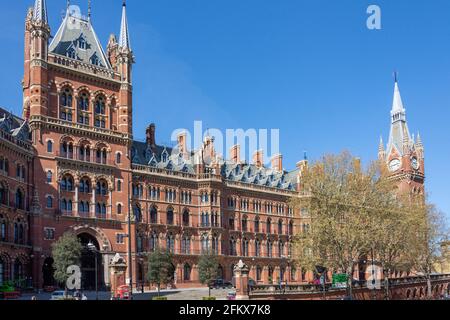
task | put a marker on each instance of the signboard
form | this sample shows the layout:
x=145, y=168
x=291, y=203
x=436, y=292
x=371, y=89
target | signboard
x=340, y=281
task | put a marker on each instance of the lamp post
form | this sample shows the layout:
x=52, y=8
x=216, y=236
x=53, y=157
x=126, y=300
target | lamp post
x=93, y=249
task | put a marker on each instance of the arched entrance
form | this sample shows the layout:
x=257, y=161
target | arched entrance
x=220, y=274
x=88, y=267
x=47, y=272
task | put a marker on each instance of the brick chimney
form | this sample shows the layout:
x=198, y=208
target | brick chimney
x=151, y=135
x=277, y=162
x=182, y=143
x=258, y=158
x=235, y=153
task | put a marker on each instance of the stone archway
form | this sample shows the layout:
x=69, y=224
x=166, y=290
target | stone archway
x=88, y=266
x=48, y=273
x=105, y=256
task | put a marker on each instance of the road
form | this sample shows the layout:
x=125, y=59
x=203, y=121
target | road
x=178, y=294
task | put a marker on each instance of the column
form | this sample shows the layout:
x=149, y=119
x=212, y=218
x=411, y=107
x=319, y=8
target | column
x=75, y=204
x=93, y=200
x=241, y=271
x=110, y=205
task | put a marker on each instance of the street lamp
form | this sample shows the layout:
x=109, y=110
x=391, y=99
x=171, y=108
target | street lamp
x=93, y=249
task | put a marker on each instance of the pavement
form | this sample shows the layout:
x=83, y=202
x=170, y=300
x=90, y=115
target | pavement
x=176, y=294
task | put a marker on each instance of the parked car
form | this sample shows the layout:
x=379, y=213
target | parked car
x=58, y=295
x=220, y=284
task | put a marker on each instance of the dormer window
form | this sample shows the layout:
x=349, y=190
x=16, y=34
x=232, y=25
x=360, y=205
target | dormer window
x=95, y=60
x=71, y=53
x=82, y=44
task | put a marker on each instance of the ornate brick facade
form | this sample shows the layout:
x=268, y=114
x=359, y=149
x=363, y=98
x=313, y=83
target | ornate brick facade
x=71, y=164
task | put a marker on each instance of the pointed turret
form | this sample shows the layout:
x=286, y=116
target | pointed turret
x=124, y=39
x=381, y=151
x=399, y=138
x=40, y=11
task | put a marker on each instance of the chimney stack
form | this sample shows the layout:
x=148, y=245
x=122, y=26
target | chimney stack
x=277, y=163
x=258, y=158
x=235, y=153
x=182, y=143
x=151, y=136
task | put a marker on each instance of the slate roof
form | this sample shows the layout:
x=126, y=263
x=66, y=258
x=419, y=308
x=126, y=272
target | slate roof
x=69, y=38
x=170, y=159
x=15, y=126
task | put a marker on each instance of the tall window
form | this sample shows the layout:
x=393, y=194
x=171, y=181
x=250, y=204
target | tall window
x=100, y=111
x=66, y=99
x=269, y=226
x=119, y=209
x=186, y=218
x=20, y=197
x=83, y=108
x=186, y=245
x=153, y=215
x=49, y=202
x=170, y=217
x=205, y=244
x=170, y=245
x=153, y=242
x=3, y=194
x=137, y=213
x=258, y=273
x=257, y=248
x=3, y=228
x=49, y=146
x=269, y=249
x=187, y=272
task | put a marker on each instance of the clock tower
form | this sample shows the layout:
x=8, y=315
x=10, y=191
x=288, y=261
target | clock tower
x=404, y=155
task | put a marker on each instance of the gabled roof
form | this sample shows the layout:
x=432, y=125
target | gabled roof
x=15, y=126
x=73, y=32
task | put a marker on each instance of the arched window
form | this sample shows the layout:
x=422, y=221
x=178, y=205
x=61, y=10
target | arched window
x=2, y=271
x=153, y=242
x=3, y=194
x=170, y=243
x=3, y=229
x=119, y=209
x=186, y=218
x=257, y=248
x=83, y=108
x=280, y=227
x=245, y=248
x=291, y=228
x=244, y=224
x=280, y=249
x=49, y=202
x=186, y=245
x=257, y=224
x=119, y=158
x=102, y=188
x=119, y=186
x=100, y=111
x=20, y=199
x=49, y=146
x=137, y=213
x=269, y=226
x=205, y=244
x=269, y=249
x=187, y=272
x=153, y=215
x=170, y=217
x=258, y=273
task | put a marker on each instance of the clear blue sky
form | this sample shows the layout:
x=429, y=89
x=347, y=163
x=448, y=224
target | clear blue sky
x=310, y=68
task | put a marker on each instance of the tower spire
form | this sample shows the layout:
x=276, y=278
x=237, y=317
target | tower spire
x=124, y=39
x=40, y=11
x=89, y=9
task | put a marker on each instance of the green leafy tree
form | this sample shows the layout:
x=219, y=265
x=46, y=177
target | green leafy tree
x=160, y=268
x=208, y=266
x=66, y=252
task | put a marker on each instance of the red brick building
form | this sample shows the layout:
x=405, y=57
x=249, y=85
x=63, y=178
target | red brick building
x=71, y=164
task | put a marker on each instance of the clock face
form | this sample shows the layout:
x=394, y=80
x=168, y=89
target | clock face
x=415, y=163
x=394, y=165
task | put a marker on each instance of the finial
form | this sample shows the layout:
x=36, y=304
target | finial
x=305, y=155
x=396, y=76
x=89, y=9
